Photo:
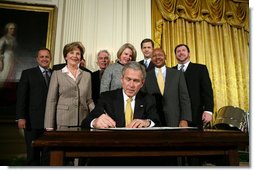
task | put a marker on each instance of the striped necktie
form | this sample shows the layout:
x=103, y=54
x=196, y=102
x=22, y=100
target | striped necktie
x=182, y=68
x=46, y=76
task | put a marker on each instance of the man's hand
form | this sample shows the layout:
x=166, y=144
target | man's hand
x=139, y=123
x=207, y=117
x=22, y=123
x=104, y=121
x=183, y=123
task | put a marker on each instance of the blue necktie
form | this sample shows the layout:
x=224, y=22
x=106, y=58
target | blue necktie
x=146, y=63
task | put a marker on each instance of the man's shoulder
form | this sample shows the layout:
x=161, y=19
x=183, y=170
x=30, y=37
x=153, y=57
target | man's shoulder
x=141, y=61
x=30, y=70
x=172, y=69
x=58, y=66
x=197, y=65
x=96, y=72
x=85, y=69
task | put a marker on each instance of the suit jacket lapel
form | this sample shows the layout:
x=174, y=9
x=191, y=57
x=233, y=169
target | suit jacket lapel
x=188, y=69
x=167, y=80
x=70, y=79
x=150, y=66
x=41, y=76
x=79, y=77
x=119, y=107
x=189, y=73
x=154, y=83
x=139, y=106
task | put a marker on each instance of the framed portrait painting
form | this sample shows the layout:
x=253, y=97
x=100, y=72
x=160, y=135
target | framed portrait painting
x=24, y=28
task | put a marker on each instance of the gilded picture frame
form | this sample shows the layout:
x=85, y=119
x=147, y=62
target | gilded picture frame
x=34, y=27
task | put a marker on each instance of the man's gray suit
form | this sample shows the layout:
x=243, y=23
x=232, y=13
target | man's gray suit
x=174, y=105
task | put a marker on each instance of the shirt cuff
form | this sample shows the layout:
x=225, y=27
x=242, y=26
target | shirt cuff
x=211, y=113
x=91, y=124
x=151, y=123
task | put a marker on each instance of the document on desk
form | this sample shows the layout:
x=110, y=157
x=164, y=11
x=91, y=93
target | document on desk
x=147, y=129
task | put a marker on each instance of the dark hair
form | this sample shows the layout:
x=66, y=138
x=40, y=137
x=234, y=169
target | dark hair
x=43, y=48
x=70, y=46
x=135, y=66
x=182, y=45
x=145, y=41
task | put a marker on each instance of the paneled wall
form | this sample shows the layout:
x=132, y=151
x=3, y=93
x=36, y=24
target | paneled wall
x=99, y=24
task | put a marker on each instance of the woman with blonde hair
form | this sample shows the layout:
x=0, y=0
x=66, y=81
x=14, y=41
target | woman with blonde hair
x=111, y=78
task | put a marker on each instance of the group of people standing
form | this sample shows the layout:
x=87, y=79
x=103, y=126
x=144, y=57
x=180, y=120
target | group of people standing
x=123, y=94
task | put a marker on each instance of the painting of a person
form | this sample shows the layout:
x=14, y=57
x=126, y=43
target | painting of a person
x=8, y=46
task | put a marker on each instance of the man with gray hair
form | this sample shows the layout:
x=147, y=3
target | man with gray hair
x=127, y=106
x=103, y=60
x=124, y=107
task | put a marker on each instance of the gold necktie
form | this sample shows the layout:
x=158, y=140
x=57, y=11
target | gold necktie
x=160, y=81
x=128, y=112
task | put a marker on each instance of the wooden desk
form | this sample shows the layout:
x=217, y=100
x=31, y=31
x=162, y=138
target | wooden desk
x=86, y=143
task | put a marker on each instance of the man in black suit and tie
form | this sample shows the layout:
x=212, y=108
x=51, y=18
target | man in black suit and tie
x=103, y=60
x=31, y=101
x=112, y=108
x=199, y=86
x=147, y=46
x=125, y=107
x=200, y=91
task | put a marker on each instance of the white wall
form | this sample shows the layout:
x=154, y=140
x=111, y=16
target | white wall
x=100, y=24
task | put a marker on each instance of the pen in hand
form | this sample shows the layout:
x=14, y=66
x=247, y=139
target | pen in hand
x=110, y=119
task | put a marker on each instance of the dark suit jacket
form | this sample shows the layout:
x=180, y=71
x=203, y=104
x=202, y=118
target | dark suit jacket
x=60, y=66
x=200, y=91
x=96, y=84
x=31, y=98
x=150, y=66
x=112, y=102
x=174, y=105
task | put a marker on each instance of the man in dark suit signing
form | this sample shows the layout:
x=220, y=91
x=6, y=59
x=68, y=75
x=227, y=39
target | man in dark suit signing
x=199, y=86
x=111, y=109
x=31, y=101
x=169, y=87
